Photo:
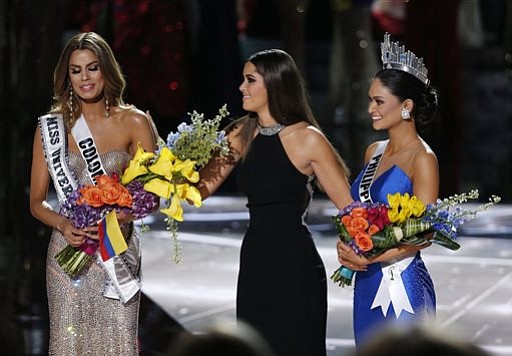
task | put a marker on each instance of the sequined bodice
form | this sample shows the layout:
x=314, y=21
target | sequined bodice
x=114, y=161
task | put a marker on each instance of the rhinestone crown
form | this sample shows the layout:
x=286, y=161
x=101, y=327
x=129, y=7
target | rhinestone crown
x=395, y=56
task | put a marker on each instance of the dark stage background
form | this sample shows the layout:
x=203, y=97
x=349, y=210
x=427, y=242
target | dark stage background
x=184, y=55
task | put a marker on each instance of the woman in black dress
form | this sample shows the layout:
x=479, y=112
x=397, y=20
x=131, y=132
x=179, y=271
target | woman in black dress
x=282, y=289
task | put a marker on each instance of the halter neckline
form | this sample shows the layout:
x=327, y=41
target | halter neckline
x=270, y=130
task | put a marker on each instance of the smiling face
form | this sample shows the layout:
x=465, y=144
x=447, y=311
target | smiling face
x=384, y=107
x=85, y=75
x=254, y=92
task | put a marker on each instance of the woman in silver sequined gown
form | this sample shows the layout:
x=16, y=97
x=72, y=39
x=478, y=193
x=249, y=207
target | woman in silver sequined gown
x=82, y=320
x=88, y=82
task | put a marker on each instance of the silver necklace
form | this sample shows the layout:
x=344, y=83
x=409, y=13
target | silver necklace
x=270, y=130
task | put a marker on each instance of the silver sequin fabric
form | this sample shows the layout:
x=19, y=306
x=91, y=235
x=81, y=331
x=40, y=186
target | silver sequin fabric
x=82, y=320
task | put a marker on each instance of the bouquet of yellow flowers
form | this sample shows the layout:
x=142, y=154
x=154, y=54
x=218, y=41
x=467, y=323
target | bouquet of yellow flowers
x=171, y=172
x=373, y=228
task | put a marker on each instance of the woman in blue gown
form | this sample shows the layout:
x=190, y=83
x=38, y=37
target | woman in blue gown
x=395, y=287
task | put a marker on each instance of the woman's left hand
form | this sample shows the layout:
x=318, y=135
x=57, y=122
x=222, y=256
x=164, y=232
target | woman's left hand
x=348, y=258
x=123, y=218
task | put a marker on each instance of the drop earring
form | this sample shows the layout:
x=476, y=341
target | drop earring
x=70, y=101
x=107, y=107
x=406, y=114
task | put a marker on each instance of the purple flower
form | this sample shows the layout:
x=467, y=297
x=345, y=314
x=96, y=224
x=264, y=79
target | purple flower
x=351, y=206
x=144, y=202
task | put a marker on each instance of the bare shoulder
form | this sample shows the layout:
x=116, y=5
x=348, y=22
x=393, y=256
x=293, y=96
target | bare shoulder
x=425, y=161
x=370, y=150
x=305, y=143
x=306, y=135
x=130, y=115
x=425, y=157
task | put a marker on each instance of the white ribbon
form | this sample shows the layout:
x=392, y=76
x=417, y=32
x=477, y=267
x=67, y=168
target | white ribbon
x=392, y=289
x=125, y=285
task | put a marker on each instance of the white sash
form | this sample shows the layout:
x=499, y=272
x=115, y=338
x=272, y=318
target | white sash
x=55, y=147
x=391, y=289
x=87, y=147
x=370, y=171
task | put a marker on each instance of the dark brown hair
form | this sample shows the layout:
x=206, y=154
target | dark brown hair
x=287, y=97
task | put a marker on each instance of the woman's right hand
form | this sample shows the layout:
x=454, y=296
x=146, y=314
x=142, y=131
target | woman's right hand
x=348, y=258
x=73, y=236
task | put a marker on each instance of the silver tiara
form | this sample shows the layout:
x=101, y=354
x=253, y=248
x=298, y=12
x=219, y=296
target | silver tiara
x=394, y=56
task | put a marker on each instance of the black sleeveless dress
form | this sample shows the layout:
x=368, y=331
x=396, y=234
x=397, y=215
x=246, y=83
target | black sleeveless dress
x=282, y=290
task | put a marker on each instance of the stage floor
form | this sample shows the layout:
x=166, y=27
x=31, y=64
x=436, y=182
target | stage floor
x=473, y=285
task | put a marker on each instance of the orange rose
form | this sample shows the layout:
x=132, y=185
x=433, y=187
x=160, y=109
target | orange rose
x=373, y=229
x=363, y=241
x=125, y=198
x=105, y=180
x=346, y=220
x=360, y=224
x=359, y=213
x=351, y=231
x=90, y=195
x=111, y=192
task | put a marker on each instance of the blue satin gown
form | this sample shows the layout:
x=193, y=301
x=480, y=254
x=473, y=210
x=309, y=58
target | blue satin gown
x=416, y=279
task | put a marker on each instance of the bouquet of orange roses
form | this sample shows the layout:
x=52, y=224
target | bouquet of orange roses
x=373, y=228
x=89, y=204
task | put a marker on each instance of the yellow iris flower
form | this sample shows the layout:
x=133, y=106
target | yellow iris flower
x=186, y=168
x=164, y=166
x=189, y=192
x=174, y=211
x=160, y=187
x=136, y=166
